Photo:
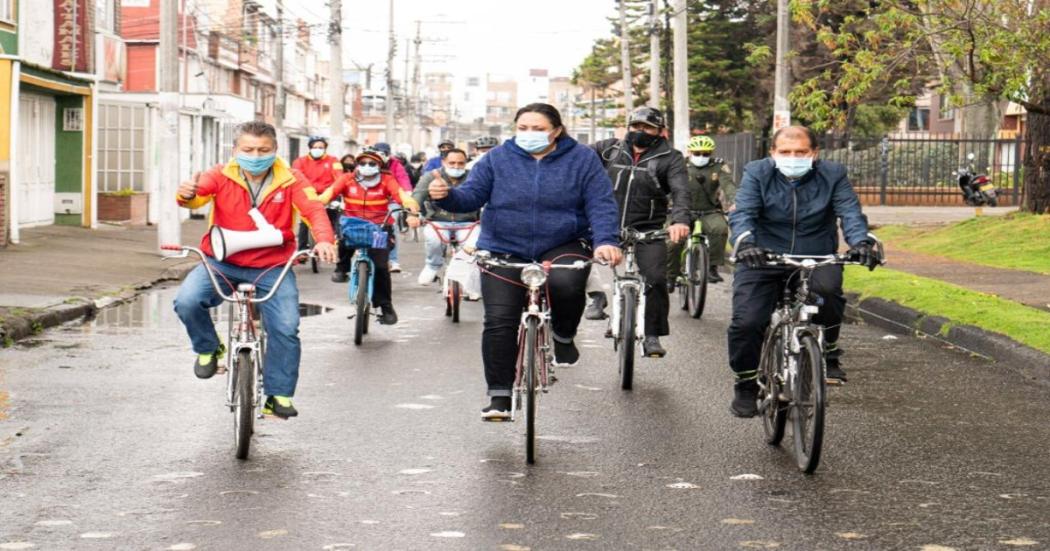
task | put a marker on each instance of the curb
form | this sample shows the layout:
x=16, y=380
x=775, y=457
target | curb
x=893, y=317
x=19, y=327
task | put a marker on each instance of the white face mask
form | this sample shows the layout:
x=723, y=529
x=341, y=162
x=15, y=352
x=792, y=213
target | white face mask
x=455, y=172
x=368, y=171
x=317, y=152
x=699, y=160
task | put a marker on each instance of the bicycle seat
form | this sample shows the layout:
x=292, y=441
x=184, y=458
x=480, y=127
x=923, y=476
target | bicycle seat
x=245, y=287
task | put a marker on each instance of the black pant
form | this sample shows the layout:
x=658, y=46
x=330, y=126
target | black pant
x=382, y=288
x=755, y=295
x=304, y=236
x=504, y=303
x=651, y=258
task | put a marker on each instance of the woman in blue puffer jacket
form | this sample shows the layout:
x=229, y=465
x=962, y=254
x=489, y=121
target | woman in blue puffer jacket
x=545, y=197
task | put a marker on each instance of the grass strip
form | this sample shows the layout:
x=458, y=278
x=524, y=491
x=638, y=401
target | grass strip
x=1021, y=323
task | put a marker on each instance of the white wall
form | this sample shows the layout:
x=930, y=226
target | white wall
x=37, y=46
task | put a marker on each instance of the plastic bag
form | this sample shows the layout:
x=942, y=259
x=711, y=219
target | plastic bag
x=463, y=269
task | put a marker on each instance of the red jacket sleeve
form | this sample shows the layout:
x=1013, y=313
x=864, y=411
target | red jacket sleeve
x=313, y=211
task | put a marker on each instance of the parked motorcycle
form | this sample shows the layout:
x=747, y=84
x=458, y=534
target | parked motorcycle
x=977, y=189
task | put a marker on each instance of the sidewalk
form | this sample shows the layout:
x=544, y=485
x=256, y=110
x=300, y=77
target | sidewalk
x=61, y=273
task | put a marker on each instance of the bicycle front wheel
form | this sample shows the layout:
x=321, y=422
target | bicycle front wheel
x=772, y=410
x=530, y=372
x=243, y=410
x=809, y=404
x=681, y=280
x=697, y=280
x=628, y=313
x=361, y=302
x=455, y=298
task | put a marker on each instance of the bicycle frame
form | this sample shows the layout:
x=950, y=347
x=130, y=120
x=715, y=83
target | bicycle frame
x=631, y=278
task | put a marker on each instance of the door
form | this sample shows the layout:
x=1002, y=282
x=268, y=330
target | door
x=36, y=155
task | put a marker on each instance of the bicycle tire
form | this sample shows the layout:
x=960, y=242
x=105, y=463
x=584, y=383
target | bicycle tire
x=772, y=410
x=455, y=298
x=361, y=303
x=808, y=426
x=529, y=374
x=244, y=411
x=697, y=281
x=627, y=337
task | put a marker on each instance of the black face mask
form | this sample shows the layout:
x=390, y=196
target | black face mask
x=348, y=167
x=642, y=139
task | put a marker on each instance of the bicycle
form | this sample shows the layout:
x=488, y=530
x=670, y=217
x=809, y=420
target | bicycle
x=451, y=289
x=791, y=373
x=695, y=260
x=534, y=370
x=247, y=346
x=361, y=235
x=627, y=323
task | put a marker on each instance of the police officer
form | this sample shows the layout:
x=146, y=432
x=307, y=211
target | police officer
x=713, y=191
x=645, y=172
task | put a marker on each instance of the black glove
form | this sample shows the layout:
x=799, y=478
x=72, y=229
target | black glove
x=751, y=255
x=864, y=253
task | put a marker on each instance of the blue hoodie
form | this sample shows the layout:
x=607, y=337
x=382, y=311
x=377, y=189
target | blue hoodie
x=534, y=206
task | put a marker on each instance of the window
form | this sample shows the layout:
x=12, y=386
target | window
x=919, y=120
x=473, y=81
x=7, y=12
x=944, y=109
x=105, y=15
x=122, y=147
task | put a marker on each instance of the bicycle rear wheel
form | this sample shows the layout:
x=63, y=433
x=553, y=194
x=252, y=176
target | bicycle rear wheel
x=697, y=280
x=628, y=314
x=530, y=373
x=361, y=302
x=243, y=411
x=808, y=404
x=772, y=410
x=455, y=297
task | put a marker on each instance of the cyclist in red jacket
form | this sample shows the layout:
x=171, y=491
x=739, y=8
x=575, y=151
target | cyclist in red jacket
x=321, y=169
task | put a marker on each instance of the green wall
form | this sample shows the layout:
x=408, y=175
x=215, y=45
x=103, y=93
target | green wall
x=9, y=40
x=69, y=155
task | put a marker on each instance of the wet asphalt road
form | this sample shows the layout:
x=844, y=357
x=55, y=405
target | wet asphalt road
x=109, y=442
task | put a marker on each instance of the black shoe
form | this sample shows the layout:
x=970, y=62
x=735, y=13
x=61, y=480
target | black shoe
x=671, y=284
x=279, y=406
x=389, y=316
x=713, y=276
x=834, y=375
x=596, y=309
x=498, y=409
x=205, y=366
x=565, y=353
x=652, y=348
x=745, y=399
x=340, y=277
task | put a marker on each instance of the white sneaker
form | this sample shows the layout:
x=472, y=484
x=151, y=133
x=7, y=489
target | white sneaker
x=395, y=268
x=427, y=275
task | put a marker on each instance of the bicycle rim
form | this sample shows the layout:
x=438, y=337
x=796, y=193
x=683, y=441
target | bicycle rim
x=455, y=297
x=808, y=405
x=627, y=338
x=244, y=412
x=698, y=282
x=531, y=357
x=361, y=301
x=772, y=410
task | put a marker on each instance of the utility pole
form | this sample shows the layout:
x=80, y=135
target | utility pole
x=336, y=112
x=413, y=136
x=169, y=229
x=278, y=111
x=681, y=76
x=781, y=106
x=654, y=55
x=391, y=49
x=625, y=62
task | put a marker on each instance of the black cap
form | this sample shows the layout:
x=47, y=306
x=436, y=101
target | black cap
x=647, y=115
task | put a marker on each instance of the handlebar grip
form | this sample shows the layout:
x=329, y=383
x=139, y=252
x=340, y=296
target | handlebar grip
x=171, y=247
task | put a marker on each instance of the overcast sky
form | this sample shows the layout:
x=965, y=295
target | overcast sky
x=506, y=37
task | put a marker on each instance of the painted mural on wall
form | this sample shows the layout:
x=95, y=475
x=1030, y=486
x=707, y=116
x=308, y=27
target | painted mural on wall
x=72, y=49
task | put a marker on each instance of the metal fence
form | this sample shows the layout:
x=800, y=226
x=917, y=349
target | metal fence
x=902, y=170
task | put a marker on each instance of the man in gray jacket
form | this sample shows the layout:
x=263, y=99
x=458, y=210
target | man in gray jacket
x=789, y=202
x=454, y=172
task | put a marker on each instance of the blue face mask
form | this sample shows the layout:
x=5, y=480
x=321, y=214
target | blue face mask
x=455, y=172
x=794, y=167
x=532, y=141
x=255, y=165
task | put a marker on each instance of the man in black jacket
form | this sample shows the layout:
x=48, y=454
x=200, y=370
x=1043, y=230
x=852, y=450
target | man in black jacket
x=645, y=170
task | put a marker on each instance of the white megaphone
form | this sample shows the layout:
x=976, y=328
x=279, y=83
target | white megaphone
x=225, y=243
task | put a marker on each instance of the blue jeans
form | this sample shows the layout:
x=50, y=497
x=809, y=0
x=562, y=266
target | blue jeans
x=466, y=234
x=397, y=245
x=280, y=316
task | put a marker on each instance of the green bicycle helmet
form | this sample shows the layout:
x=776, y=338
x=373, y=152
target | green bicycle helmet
x=701, y=143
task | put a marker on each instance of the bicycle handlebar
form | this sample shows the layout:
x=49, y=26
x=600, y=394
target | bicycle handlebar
x=631, y=235
x=185, y=252
x=487, y=259
x=809, y=261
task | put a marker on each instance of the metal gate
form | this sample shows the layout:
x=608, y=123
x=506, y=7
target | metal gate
x=36, y=160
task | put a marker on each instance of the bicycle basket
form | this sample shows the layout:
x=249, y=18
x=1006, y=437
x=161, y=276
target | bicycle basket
x=360, y=234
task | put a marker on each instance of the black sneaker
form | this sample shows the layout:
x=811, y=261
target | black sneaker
x=389, y=316
x=596, y=309
x=205, y=366
x=713, y=276
x=745, y=399
x=652, y=348
x=279, y=406
x=497, y=410
x=340, y=277
x=565, y=354
x=834, y=375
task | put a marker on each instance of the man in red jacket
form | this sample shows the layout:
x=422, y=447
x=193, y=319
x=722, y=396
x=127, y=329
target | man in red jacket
x=254, y=183
x=320, y=169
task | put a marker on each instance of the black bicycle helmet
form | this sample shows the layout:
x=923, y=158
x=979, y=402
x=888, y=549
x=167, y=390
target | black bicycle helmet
x=647, y=115
x=314, y=139
x=446, y=143
x=486, y=141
